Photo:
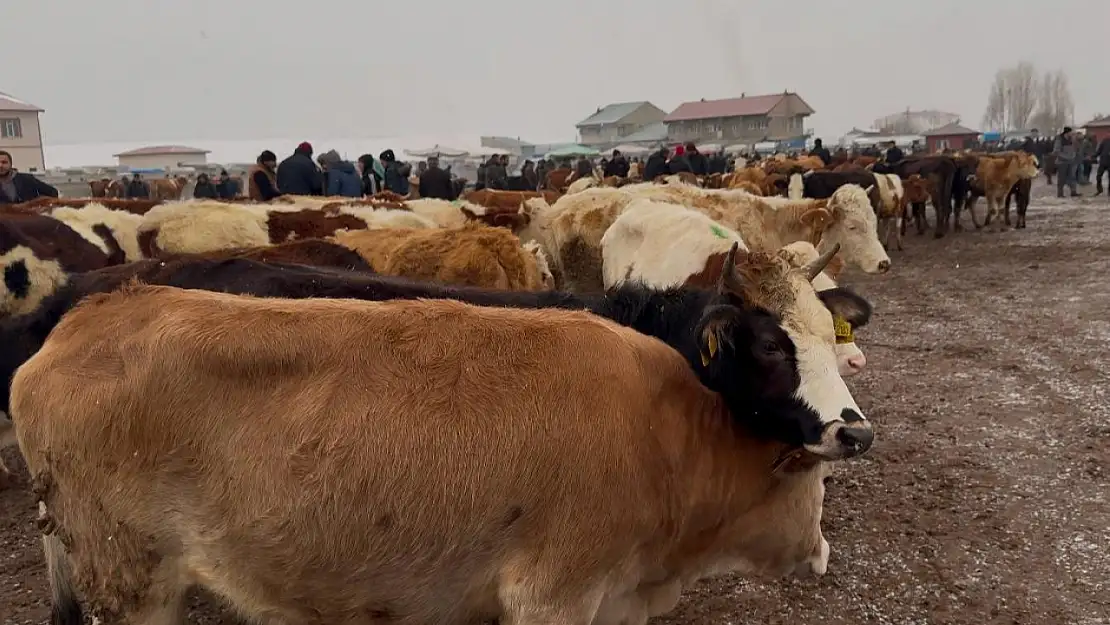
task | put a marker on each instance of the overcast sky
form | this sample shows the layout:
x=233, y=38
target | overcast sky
x=135, y=70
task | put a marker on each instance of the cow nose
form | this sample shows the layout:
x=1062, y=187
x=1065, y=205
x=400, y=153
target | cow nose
x=884, y=266
x=856, y=438
x=857, y=362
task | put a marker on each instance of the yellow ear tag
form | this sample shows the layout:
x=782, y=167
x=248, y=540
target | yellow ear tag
x=704, y=360
x=843, y=330
x=712, y=343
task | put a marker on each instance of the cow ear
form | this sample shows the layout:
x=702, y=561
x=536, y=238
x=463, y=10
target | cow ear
x=714, y=332
x=847, y=304
x=469, y=214
x=817, y=218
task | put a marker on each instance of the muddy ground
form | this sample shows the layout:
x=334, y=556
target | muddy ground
x=986, y=498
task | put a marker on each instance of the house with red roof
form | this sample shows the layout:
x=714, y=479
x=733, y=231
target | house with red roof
x=1099, y=128
x=747, y=119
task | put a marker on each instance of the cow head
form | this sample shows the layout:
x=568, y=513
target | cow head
x=775, y=343
x=849, y=311
x=855, y=228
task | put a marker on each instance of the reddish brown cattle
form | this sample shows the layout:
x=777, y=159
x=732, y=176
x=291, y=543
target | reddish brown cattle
x=315, y=252
x=45, y=204
x=507, y=200
x=309, y=224
x=99, y=188
x=556, y=179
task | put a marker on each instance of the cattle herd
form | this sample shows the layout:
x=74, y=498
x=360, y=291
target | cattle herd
x=326, y=410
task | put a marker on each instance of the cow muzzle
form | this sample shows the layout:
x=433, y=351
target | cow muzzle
x=847, y=438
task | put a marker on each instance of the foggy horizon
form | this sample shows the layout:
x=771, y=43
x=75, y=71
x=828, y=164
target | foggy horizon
x=126, y=71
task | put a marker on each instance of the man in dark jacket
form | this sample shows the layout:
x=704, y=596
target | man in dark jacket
x=298, y=175
x=820, y=151
x=894, y=154
x=1102, y=154
x=678, y=163
x=435, y=182
x=204, y=189
x=496, y=173
x=583, y=168
x=262, y=178
x=396, y=177
x=617, y=166
x=16, y=187
x=371, y=183
x=718, y=163
x=228, y=187
x=699, y=165
x=342, y=179
x=137, y=189
x=656, y=165
x=1029, y=145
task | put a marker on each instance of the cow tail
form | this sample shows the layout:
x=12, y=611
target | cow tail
x=65, y=609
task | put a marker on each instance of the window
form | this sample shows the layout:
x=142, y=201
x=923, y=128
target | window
x=11, y=128
x=942, y=144
x=758, y=123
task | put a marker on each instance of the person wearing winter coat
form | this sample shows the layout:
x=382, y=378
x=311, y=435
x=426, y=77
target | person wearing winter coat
x=678, y=163
x=371, y=179
x=435, y=182
x=699, y=165
x=1067, y=161
x=16, y=187
x=396, y=177
x=342, y=179
x=298, y=175
x=228, y=187
x=262, y=179
x=204, y=189
x=656, y=165
x=137, y=189
x=617, y=166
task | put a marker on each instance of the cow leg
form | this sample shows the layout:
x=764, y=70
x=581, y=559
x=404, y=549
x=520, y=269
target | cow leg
x=971, y=202
x=1006, y=207
x=527, y=606
x=1023, y=201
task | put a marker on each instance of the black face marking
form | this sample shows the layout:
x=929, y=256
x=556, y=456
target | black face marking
x=17, y=279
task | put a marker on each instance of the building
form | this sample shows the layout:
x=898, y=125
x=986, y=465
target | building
x=649, y=136
x=777, y=117
x=949, y=137
x=611, y=124
x=509, y=144
x=1099, y=128
x=914, y=122
x=21, y=134
x=162, y=157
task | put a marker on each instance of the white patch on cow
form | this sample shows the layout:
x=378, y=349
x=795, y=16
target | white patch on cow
x=547, y=279
x=631, y=247
x=855, y=228
x=392, y=218
x=123, y=225
x=43, y=276
x=443, y=213
x=850, y=359
x=196, y=227
x=581, y=185
x=796, y=187
x=740, y=164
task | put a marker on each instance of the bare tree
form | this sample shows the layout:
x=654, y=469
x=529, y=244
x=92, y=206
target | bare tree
x=1055, y=106
x=1012, y=98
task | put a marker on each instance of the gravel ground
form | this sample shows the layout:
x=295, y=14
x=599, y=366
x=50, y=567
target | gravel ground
x=985, y=498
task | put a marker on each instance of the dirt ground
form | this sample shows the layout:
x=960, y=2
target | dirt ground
x=986, y=498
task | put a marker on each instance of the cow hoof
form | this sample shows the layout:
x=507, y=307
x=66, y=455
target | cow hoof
x=938, y=235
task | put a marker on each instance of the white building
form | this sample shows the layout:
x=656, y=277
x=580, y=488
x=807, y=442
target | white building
x=162, y=157
x=21, y=134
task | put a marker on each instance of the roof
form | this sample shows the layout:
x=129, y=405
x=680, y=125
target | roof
x=611, y=113
x=951, y=130
x=730, y=107
x=1099, y=122
x=12, y=103
x=163, y=149
x=651, y=132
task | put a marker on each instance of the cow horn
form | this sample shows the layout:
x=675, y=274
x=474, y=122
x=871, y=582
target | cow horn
x=818, y=265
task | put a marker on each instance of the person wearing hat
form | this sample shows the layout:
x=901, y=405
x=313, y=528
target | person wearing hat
x=298, y=175
x=396, y=177
x=342, y=178
x=1067, y=161
x=679, y=163
x=262, y=181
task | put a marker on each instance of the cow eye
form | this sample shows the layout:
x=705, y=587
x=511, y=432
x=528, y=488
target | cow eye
x=772, y=348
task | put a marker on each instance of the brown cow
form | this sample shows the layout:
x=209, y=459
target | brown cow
x=473, y=255
x=995, y=176
x=46, y=204
x=314, y=252
x=507, y=200
x=99, y=188
x=309, y=224
x=556, y=179
x=521, y=475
